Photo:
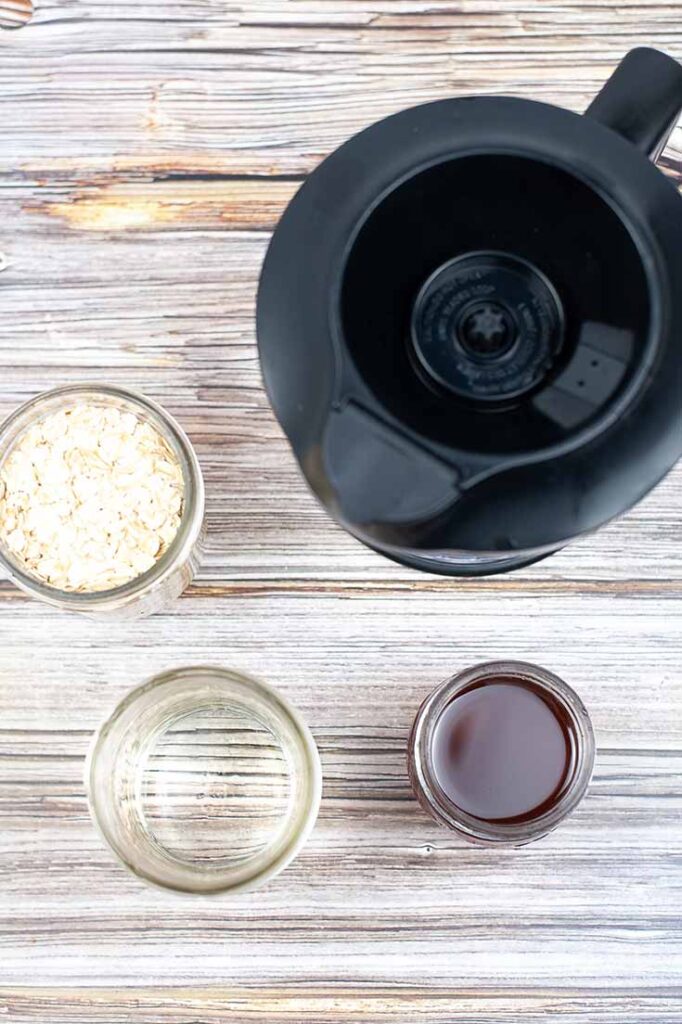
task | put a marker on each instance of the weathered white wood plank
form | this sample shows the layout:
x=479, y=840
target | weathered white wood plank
x=341, y=1005
x=146, y=152
x=271, y=87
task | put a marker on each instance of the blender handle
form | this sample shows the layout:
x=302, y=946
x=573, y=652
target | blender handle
x=642, y=100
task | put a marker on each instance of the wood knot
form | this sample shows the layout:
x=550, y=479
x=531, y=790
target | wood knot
x=15, y=13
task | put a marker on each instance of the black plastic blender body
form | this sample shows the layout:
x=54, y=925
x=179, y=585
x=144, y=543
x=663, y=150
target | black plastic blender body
x=470, y=322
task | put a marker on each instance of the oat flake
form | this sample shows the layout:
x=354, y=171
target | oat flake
x=90, y=498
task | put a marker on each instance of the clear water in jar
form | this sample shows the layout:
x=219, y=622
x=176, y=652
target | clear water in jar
x=214, y=788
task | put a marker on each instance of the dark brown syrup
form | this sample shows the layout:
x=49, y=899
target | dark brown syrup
x=503, y=750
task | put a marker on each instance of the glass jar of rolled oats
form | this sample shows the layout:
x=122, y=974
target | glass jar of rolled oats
x=101, y=502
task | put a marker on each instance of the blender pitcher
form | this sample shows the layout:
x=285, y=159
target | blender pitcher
x=470, y=322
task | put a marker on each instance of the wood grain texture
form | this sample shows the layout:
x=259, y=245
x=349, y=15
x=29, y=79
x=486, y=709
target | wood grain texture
x=146, y=152
x=338, y=1006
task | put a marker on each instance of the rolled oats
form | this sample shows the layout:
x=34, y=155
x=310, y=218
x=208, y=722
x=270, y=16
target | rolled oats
x=90, y=498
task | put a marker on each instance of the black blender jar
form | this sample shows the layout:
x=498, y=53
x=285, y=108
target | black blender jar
x=470, y=322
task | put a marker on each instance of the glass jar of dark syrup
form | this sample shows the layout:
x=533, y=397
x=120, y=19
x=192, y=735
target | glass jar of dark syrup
x=501, y=753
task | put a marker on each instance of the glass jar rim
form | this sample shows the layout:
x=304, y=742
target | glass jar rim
x=193, y=507
x=435, y=801
x=301, y=815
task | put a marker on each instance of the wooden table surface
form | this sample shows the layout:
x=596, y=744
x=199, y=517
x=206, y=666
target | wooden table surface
x=146, y=151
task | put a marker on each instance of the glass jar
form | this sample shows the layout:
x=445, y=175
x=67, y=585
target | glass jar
x=426, y=773
x=204, y=781
x=175, y=569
